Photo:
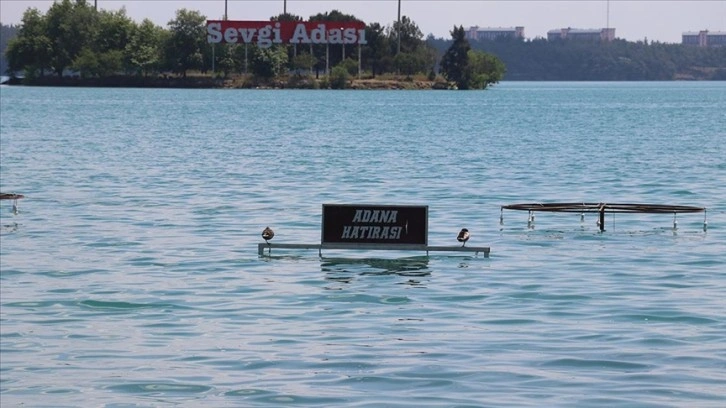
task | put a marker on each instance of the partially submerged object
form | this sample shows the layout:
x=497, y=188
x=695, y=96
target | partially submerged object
x=602, y=208
x=14, y=197
x=374, y=227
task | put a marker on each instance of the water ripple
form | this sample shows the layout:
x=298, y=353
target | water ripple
x=130, y=277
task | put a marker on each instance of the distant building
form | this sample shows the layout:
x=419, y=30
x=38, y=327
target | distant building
x=704, y=38
x=578, y=34
x=489, y=33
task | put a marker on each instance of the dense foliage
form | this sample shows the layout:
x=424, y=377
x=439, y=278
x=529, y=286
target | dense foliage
x=73, y=38
x=619, y=60
x=467, y=68
x=7, y=32
x=456, y=59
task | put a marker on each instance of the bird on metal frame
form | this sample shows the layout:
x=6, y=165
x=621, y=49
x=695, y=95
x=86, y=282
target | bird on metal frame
x=268, y=234
x=463, y=236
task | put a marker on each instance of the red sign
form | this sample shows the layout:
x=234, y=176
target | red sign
x=266, y=33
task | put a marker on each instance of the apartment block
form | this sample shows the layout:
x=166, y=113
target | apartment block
x=704, y=38
x=492, y=33
x=579, y=34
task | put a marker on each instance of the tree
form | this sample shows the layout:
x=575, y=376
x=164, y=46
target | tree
x=91, y=64
x=115, y=30
x=224, y=57
x=469, y=69
x=86, y=62
x=339, y=77
x=266, y=63
x=411, y=36
x=350, y=65
x=7, y=33
x=187, y=39
x=289, y=17
x=71, y=27
x=241, y=57
x=455, y=61
x=145, y=47
x=484, y=69
x=104, y=55
x=376, y=49
x=303, y=62
x=31, y=50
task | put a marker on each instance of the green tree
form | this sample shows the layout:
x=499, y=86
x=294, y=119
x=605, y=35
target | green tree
x=303, y=62
x=31, y=50
x=7, y=33
x=374, y=52
x=339, y=77
x=241, y=54
x=92, y=64
x=71, y=27
x=484, y=69
x=104, y=54
x=291, y=49
x=411, y=36
x=144, y=50
x=406, y=64
x=350, y=65
x=267, y=63
x=188, y=36
x=110, y=63
x=224, y=58
x=115, y=30
x=455, y=61
x=86, y=63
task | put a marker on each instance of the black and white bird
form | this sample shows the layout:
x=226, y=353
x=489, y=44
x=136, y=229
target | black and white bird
x=463, y=236
x=268, y=234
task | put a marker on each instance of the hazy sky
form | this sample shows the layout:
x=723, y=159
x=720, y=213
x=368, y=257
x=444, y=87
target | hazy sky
x=633, y=20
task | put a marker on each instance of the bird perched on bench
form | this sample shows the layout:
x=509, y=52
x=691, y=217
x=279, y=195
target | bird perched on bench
x=463, y=236
x=268, y=234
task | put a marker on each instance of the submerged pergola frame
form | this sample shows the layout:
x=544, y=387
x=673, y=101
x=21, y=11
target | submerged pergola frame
x=14, y=197
x=602, y=208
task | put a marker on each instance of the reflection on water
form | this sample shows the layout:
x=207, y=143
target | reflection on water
x=347, y=270
x=413, y=266
x=7, y=228
x=143, y=286
x=8, y=214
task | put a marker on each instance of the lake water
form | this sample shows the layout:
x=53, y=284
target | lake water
x=129, y=276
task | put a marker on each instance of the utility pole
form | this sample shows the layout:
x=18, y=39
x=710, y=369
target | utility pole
x=399, y=28
x=225, y=9
x=284, y=6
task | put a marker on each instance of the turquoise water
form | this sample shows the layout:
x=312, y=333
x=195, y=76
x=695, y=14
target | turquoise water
x=130, y=278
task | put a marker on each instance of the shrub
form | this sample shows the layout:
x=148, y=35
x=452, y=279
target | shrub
x=339, y=77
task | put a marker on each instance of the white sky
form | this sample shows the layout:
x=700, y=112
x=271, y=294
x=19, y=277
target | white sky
x=633, y=20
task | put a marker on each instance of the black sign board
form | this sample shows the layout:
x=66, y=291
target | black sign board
x=375, y=224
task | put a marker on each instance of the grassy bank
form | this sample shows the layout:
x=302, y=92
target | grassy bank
x=199, y=80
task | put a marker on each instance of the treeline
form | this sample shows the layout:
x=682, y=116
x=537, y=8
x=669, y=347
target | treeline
x=7, y=32
x=74, y=38
x=619, y=60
